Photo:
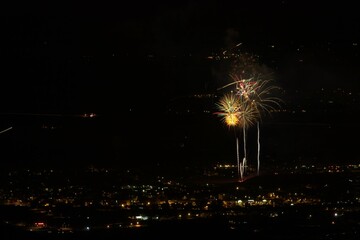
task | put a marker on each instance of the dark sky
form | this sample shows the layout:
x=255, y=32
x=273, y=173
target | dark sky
x=110, y=58
x=68, y=57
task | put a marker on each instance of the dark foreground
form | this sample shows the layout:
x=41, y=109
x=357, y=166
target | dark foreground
x=201, y=229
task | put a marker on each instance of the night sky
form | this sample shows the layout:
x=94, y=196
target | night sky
x=138, y=56
x=65, y=58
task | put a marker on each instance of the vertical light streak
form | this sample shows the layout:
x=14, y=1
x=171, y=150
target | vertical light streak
x=258, y=150
x=237, y=157
x=244, y=135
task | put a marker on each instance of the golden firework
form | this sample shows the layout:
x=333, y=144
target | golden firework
x=236, y=111
x=228, y=107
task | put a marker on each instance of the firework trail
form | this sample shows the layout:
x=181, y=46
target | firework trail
x=258, y=149
x=238, y=158
x=264, y=103
x=258, y=93
x=244, y=136
x=5, y=130
x=242, y=169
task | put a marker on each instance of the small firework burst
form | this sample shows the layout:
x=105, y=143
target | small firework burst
x=236, y=111
x=229, y=107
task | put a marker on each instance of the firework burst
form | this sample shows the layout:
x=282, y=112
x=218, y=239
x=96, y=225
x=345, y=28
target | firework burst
x=235, y=110
x=252, y=96
x=262, y=98
x=229, y=107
